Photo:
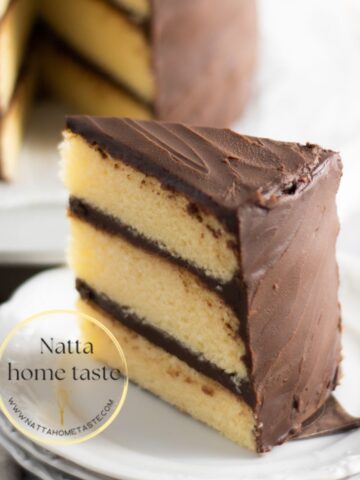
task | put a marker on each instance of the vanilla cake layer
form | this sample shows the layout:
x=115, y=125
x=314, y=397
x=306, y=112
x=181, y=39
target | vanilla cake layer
x=159, y=293
x=13, y=121
x=120, y=47
x=172, y=379
x=14, y=31
x=83, y=88
x=139, y=201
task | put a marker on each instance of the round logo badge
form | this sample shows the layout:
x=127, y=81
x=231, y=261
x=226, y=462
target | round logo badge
x=54, y=385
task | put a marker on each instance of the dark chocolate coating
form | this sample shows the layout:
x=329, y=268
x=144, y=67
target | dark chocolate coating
x=279, y=200
x=293, y=316
x=204, y=56
x=329, y=419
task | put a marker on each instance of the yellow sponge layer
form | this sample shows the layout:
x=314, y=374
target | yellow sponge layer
x=84, y=89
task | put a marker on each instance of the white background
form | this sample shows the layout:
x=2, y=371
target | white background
x=308, y=88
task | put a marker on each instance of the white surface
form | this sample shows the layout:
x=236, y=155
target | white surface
x=307, y=89
x=152, y=441
x=308, y=82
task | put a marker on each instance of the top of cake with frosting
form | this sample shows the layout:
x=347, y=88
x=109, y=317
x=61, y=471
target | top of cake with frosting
x=217, y=167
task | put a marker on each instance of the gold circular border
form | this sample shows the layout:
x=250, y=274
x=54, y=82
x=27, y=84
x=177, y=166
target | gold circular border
x=117, y=345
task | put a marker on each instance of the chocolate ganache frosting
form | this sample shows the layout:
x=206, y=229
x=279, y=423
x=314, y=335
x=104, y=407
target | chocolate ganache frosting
x=278, y=199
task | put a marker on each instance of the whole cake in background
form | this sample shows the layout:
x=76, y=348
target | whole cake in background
x=188, y=60
x=211, y=257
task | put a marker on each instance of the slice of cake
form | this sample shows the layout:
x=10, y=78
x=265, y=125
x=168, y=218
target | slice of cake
x=211, y=257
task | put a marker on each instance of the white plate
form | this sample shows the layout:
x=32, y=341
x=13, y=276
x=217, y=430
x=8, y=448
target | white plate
x=37, y=460
x=152, y=441
x=27, y=462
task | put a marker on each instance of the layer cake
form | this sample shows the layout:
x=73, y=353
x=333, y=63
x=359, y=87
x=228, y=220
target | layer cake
x=211, y=256
x=146, y=59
